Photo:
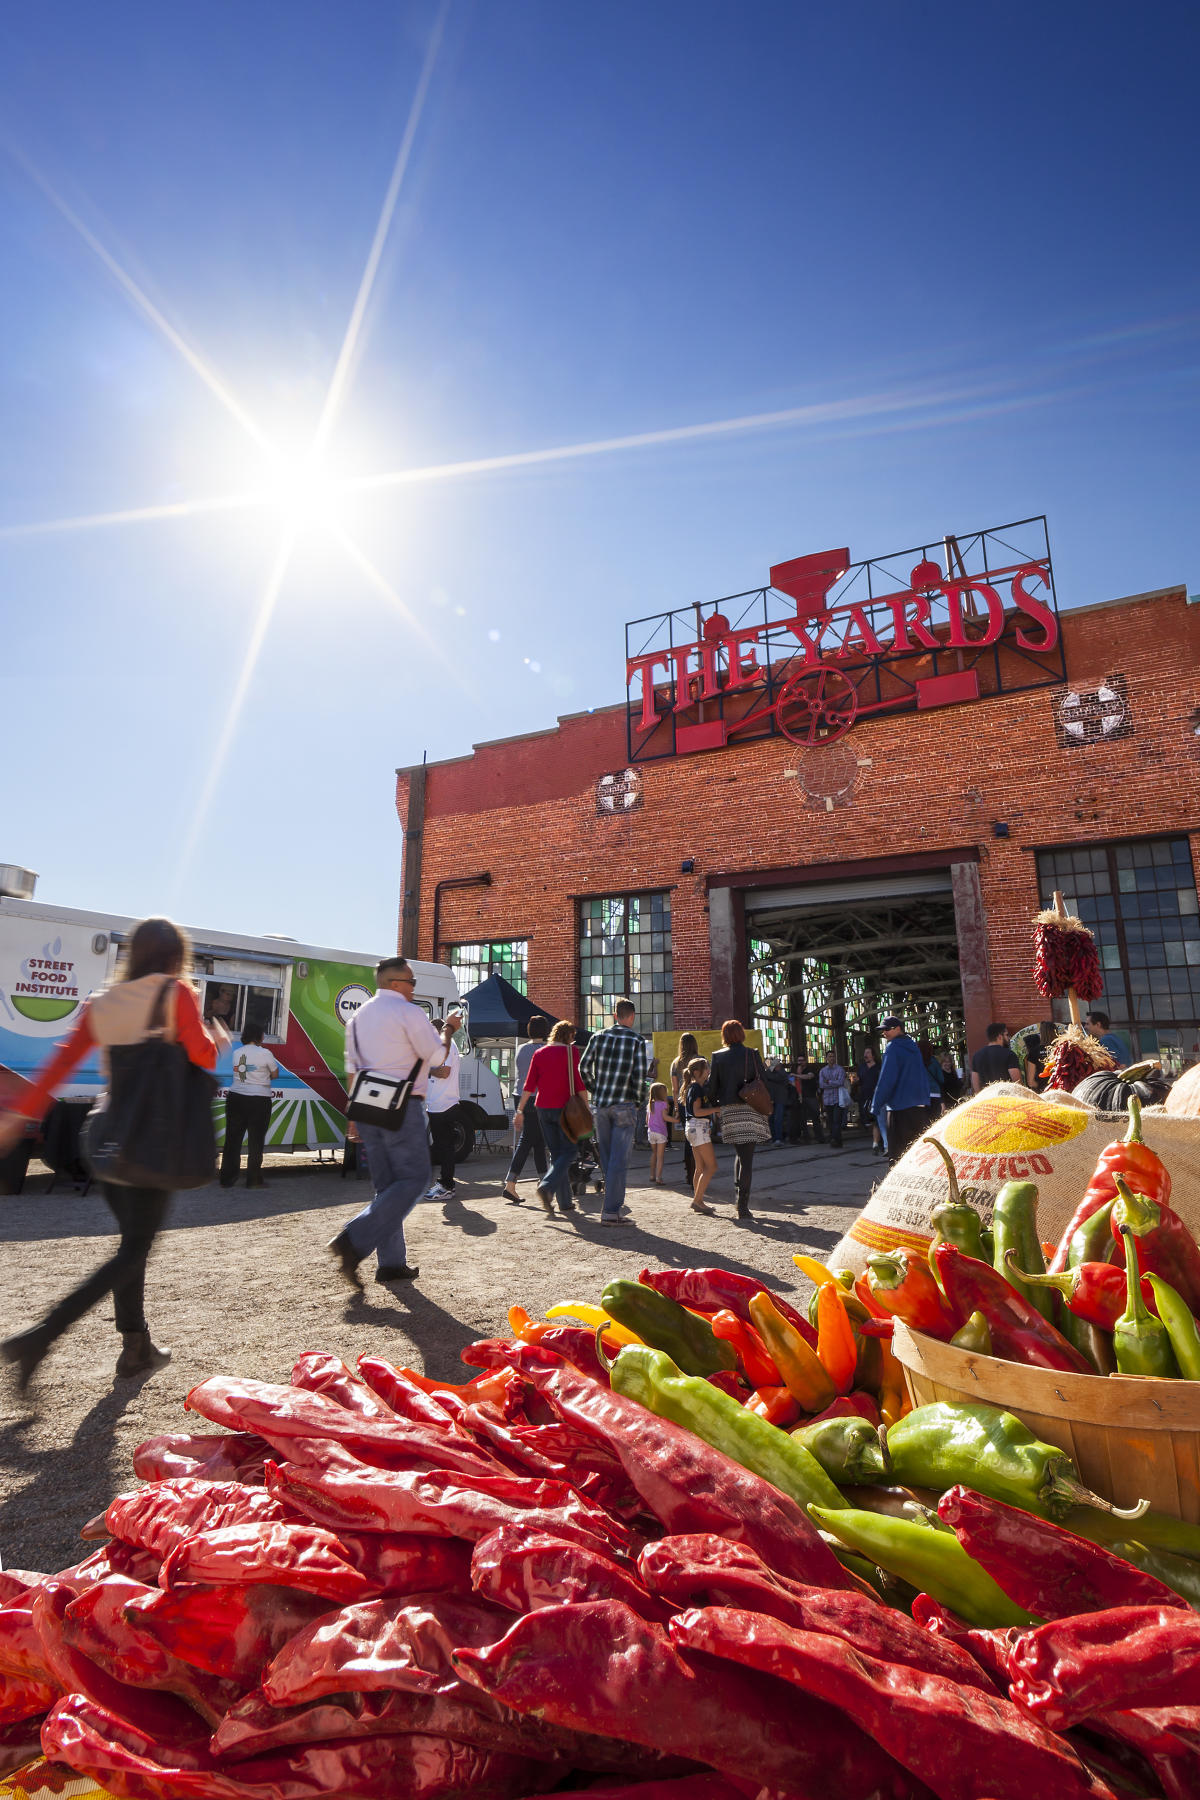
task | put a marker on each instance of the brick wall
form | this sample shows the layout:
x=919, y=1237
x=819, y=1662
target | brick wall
x=525, y=808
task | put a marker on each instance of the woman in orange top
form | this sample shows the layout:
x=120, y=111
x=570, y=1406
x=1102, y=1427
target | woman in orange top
x=119, y=1014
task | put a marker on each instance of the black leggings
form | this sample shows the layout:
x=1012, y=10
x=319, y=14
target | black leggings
x=139, y=1213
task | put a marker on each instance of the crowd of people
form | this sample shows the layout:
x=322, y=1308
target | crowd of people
x=572, y=1103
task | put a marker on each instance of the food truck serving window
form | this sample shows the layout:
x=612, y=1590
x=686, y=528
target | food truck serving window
x=241, y=1002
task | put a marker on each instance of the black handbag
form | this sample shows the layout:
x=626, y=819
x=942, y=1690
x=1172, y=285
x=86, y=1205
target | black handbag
x=380, y=1099
x=154, y=1126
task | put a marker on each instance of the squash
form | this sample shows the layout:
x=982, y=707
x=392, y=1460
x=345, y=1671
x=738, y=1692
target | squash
x=1111, y=1090
x=1183, y=1102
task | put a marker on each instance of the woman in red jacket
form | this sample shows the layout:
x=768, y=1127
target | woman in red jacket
x=550, y=1081
x=119, y=1014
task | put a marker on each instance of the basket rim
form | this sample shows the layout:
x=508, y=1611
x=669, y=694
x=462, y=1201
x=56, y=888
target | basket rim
x=1116, y=1402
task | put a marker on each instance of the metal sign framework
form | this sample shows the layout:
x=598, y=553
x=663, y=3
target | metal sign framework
x=831, y=641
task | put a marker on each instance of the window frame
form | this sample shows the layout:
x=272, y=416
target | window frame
x=1122, y=1000
x=492, y=967
x=641, y=994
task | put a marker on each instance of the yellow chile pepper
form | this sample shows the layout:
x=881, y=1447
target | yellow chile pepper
x=587, y=1314
x=803, y=1373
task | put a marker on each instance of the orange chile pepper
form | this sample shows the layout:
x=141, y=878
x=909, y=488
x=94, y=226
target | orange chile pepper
x=803, y=1373
x=837, y=1349
x=775, y=1405
x=748, y=1347
x=488, y=1386
x=528, y=1330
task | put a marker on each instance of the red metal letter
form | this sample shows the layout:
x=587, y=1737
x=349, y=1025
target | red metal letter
x=1037, y=610
x=918, y=624
x=956, y=592
x=859, y=634
x=645, y=666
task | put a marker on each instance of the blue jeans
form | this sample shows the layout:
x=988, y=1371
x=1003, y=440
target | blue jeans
x=400, y=1173
x=777, y=1112
x=615, y=1126
x=562, y=1155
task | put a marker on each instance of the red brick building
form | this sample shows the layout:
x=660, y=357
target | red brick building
x=818, y=884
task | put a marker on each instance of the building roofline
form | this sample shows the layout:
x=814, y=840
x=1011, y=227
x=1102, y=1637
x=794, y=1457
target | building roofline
x=524, y=737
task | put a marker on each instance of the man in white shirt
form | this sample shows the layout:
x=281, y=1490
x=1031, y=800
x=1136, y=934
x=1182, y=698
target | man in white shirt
x=390, y=1036
x=248, y=1109
x=441, y=1104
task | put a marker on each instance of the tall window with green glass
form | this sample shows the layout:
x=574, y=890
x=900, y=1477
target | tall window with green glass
x=1140, y=901
x=625, y=949
x=473, y=963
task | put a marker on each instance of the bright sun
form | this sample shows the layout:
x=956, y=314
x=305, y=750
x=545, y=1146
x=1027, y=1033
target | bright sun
x=303, y=489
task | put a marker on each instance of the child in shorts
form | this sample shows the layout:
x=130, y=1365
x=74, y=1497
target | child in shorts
x=698, y=1115
x=658, y=1115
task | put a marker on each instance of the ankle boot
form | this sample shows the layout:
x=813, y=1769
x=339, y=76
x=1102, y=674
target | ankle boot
x=140, y=1355
x=25, y=1352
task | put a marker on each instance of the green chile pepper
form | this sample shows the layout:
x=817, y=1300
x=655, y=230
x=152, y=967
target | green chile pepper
x=1091, y=1242
x=1176, y=1572
x=1176, y=1315
x=650, y=1377
x=1156, y=1530
x=955, y=1221
x=988, y=1239
x=1141, y=1343
x=991, y=1451
x=974, y=1335
x=932, y=1561
x=850, y=1450
x=665, y=1325
x=1014, y=1227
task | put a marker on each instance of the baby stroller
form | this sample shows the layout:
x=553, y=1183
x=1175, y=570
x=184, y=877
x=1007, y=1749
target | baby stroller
x=585, y=1168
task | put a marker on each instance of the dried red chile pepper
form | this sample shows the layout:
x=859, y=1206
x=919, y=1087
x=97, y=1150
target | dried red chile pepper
x=95, y=1624
x=444, y=1505
x=1043, y=1568
x=318, y=1373
x=523, y=1571
x=232, y=1631
x=722, y=1290
x=380, y=1645
x=1065, y=956
x=963, y=1741
x=683, y=1482
x=164, y=1513
x=599, y=1666
x=1127, y=1656
x=21, y=1698
x=419, y=1766
x=224, y=1456
x=284, y=1414
x=703, y=1570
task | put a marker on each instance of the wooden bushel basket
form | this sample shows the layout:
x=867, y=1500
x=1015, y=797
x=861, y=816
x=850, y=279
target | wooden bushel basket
x=1130, y=1438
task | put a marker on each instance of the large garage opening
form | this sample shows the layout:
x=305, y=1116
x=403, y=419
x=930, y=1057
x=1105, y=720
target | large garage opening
x=828, y=961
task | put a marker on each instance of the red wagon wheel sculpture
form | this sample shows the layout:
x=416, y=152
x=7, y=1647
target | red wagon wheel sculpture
x=817, y=706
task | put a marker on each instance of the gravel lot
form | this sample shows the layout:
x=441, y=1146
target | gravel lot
x=241, y=1283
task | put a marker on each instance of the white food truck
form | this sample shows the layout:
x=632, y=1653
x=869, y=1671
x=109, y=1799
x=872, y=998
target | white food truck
x=302, y=995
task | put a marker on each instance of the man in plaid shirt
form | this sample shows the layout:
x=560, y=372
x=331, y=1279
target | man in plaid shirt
x=615, y=1068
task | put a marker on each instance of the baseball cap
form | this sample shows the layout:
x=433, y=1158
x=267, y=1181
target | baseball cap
x=891, y=1023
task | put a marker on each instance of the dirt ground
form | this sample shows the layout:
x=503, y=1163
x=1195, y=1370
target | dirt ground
x=241, y=1283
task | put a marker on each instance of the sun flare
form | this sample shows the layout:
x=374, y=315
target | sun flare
x=303, y=490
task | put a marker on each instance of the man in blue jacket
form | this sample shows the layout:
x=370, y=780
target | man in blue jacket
x=901, y=1101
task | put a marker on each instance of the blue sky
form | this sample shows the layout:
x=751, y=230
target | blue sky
x=956, y=245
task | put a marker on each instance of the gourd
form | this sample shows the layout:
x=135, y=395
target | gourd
x=1183, y=1102
x=1111, y=1090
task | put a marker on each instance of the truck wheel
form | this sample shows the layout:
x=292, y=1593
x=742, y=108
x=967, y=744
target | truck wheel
x=464, y=1139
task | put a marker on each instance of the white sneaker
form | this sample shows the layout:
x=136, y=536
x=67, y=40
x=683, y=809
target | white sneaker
x=438, y=1192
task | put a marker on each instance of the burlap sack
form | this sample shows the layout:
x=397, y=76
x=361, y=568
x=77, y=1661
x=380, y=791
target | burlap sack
x=1005, y=1134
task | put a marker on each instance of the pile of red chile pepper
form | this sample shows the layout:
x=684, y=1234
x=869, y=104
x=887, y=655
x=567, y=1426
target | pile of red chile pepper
x=1065, y=956
x=530, y=1583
